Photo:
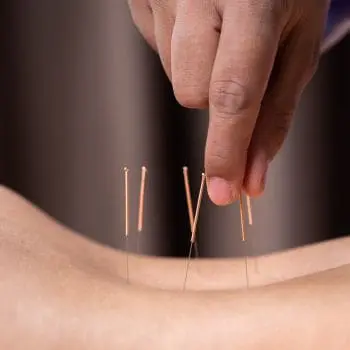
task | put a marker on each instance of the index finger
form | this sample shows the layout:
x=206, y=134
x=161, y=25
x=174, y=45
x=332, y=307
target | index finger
x=244, y=60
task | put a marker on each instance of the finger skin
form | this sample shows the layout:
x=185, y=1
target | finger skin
x=194, y=45
x=142, y=16
x=164, y=20
x=245, y=57
x=294, y=67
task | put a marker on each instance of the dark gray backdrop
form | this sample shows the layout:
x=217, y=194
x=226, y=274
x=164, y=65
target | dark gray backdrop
x=82, y=96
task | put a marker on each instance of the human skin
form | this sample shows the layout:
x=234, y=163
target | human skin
x=248, y=62
x=60, y=290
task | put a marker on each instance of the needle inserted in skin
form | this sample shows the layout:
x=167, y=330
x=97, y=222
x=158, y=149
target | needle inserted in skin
x=194, y=227
x=189, y=205
x=141, y=205
x=243, y=236
x=126, y=171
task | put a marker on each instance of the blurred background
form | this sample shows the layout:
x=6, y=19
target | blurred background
x=82, y=96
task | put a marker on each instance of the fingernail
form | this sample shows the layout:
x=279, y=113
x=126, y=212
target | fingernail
x=220, y=191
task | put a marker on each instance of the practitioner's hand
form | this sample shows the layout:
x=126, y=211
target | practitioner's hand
x=248, y=61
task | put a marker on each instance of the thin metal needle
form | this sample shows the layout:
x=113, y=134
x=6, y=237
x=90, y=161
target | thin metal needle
x=241, y=211
x=249, y=210
x=189, y=205
x=243, y=237
x=194, y=227
x=246, y=270
x=141, y=206
x=250, y=221
x=126, y=171
x=188, y=265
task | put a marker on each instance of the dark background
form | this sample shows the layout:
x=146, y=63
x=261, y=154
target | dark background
x=82, y=96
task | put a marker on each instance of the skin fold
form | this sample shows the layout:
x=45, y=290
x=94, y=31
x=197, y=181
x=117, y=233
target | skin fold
x=61, y=290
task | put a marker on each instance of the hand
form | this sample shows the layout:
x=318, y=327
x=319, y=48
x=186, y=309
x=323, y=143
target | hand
x=248, y=61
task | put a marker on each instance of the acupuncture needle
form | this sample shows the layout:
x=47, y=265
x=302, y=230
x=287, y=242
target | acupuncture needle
x=194, y=227
x=250, y=221
x=126, y=171
x=141, y=206
x=189, y=205
x=249, y=210
x=243, y=231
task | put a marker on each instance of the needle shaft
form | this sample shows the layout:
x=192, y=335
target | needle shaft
x=194, y=228
x=126, y=171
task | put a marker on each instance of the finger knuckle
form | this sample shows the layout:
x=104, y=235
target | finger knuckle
x=220, y=159
x=230, y=97
x=218, y=163
x=157, y=4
